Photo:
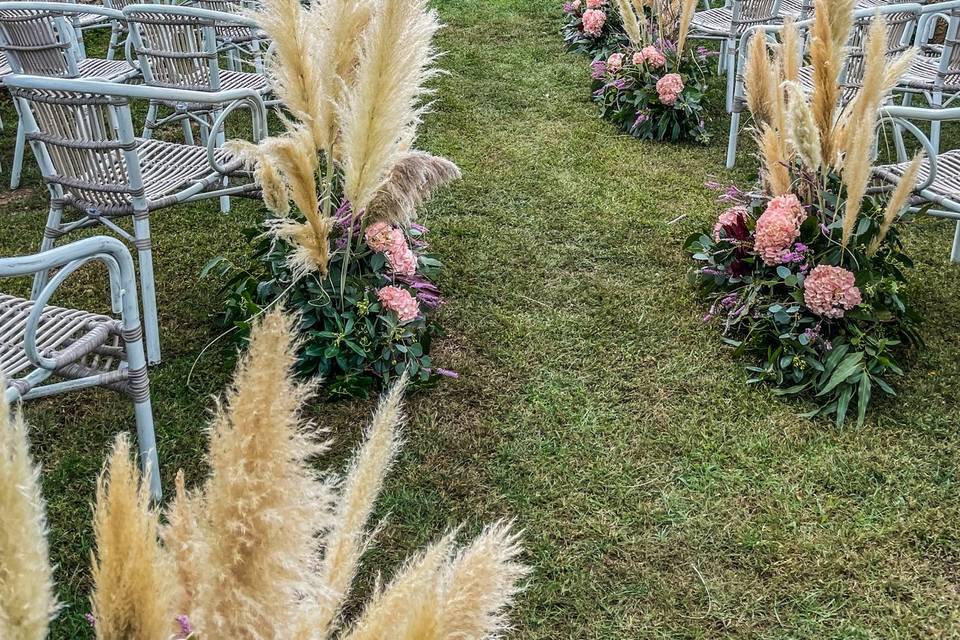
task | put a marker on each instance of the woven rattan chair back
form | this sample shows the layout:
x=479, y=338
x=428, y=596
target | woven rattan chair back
x=747, y=13
x=89, y=145
x=39, y=43
x=175, y=50
x=900, y=30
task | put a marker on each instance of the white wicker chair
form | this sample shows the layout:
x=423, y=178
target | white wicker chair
x=83, y=137
x=180, y=48
x=938, y=185
x=40, y=38
x=40, y=342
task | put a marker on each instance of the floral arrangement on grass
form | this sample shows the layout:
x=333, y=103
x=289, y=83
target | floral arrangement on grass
x=592, y=28
x=653, y=86
x=808, y=276
x=264, y=547
x=349, y=258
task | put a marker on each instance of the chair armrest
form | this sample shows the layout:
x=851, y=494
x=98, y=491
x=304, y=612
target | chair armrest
x=68, y=258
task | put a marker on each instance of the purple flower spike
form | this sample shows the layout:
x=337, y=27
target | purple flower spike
x=90, y=619
x=186, y=628
x=446, y=373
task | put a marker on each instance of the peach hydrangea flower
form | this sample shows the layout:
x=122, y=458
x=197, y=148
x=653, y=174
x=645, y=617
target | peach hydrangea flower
x=777, y=228
x=615, y=62
x=830, y=291
x=638, y=58
x=379, y=236
x=669, y=88
x=593, y=21
x=402, y=260
x=399, y=300
x=788, y=204
x=653, y=57
x=594, y=4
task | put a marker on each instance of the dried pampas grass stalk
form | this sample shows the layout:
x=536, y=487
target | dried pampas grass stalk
x=479, y=584
x=790, y=45
x=295, y=77
x=831, y=27
x=412, y=181
x=348, y=539
x=274, y=190
x=683, y=29
x=631, y=25
x=264, y=503
x=775, y=171
x=897, y=202
x=184, y=540
x=337, y=27
x=27, y=600
x=802, y=132
x=859, y=123
x=134, y=590
x=380, y=111
x=758, y=86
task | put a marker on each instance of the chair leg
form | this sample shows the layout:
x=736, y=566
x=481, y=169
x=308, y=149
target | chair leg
x=187, y=131
x=220, y=141
x=50, y=233
x=898, y=144
x=732, y=140
x=138, y=387
x=141, y=230
x=731, y=60
x=151, y=120
x=955, y=253
x=18, y=150
x=937, y=102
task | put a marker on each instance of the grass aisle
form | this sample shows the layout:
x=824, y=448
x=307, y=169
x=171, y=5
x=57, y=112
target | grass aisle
x=661, y=498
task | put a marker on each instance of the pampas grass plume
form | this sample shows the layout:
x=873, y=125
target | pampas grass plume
x=264, y=502
x=897, y=202
x=134, y=590
x=27, y=600
x=760, y=93
x=379, y=112
x=412, y=181
x=631, y=25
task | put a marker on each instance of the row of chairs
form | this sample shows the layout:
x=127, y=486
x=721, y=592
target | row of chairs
x=77, y=114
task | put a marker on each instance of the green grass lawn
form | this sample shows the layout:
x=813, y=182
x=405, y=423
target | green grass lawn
x=661, y=497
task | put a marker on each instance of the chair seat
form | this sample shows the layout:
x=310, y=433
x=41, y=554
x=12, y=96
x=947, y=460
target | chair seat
x=244, y=80
x=169, y=167
x=4, y=67
x=924, y=73
x=101, y=68
x=946, y=184
x=57, y=330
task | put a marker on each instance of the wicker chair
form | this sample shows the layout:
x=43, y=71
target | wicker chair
x=727, y=24
x=177, y=47
x=39, y=341
x=938, y=185
x=902, y=19
x=936, y=75
x=40, y=38
x=83, y=138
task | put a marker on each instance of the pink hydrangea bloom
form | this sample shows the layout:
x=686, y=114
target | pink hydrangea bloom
x=653, y=57
x=399, y=301
x=790, y=205
x=777, y=228
x=402, y=260
x=379, y=236
x=830, y=291
x=669, y=88
x=594, y=4
x=575, y=4
x=638, y=58
x=593, y=21
x=727, y=219
x=615, y=62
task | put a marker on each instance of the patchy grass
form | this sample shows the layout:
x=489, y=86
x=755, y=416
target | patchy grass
x=661, y=497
